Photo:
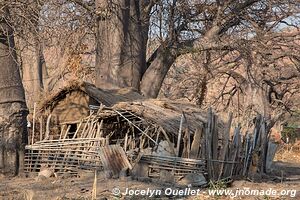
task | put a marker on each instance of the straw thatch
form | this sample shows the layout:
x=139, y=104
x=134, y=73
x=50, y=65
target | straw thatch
x=105, y=97
x=167, y=113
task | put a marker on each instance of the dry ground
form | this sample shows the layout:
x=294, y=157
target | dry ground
x=287, y=165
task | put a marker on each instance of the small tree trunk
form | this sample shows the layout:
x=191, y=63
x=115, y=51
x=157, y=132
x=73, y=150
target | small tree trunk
x=12, y=103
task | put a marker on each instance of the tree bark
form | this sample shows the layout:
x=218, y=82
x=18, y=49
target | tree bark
x=32, y=58
x=33, y=69
x=122, y=33
x=13, y=108
x=157, y=70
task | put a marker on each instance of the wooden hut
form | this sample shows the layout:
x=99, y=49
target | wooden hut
x=73, y=102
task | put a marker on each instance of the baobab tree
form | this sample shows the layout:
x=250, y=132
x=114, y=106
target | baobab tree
x=123, y=28
x=260, y=75
x=12, y=100
x=29, y=43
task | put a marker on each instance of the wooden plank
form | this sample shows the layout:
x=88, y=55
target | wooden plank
x=176, y=159
x=247, y=153
x=186, y=143
x=224, y=149
x=263, y=147
x=208, y=144
x=272, y=147
x=114, y=159
x=195, y=148
x=215, y=147
x=235, y=149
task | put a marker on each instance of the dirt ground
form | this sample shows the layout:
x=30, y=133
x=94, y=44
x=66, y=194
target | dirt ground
x=285, y=176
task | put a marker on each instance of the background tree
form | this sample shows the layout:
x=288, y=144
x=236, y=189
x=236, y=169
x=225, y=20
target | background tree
x=123, y=30
x=255, y=73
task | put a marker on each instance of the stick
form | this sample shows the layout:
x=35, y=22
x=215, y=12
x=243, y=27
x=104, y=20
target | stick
x=41, y=128
x=78, y=128
x=126, y=140
x=179, y=135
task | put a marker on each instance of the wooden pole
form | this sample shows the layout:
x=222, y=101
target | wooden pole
x=33, y=123
x=41, y=128
x=179, y=135
x=47, y=133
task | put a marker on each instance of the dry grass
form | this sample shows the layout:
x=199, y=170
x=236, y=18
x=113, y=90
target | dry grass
x=288, y=153
x=28, y=194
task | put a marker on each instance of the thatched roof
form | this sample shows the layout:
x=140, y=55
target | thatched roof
x=167, y=113
x=164, y=112
x=106, y=97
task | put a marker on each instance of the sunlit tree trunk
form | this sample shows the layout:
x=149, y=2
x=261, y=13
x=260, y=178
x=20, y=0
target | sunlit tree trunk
x=33, y=71
x=32, y=58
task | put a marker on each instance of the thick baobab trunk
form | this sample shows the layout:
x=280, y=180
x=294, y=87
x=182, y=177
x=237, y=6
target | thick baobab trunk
x=12, y=104
x=122, y=33
x=33, y=70
x=256, y=98
x=32, y=59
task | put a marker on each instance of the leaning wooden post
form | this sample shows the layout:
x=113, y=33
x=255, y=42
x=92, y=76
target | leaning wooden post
x=41, y=128
x=179, y=135
x=208, y=140
x=33, y=123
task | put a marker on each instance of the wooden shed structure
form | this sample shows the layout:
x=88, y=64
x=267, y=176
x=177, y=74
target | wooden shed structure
x=162, y=127
x=157, y=136
x=75, y=101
